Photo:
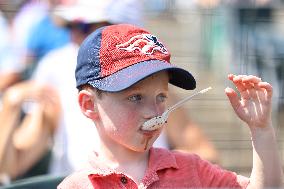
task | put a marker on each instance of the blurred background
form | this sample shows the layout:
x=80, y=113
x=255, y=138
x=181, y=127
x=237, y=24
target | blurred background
x=210, y=38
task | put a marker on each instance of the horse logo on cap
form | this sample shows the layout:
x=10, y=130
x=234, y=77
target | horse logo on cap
x=145, y=43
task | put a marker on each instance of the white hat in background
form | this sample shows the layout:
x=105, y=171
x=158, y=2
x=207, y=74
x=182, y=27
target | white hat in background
x=125, y=11
x=94, y=11
x=85, y=11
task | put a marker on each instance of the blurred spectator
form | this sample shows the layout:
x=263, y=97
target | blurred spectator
x=22, y=129
x=9, y=67
x=30, y=34
x=43, y=37
x=29, y=117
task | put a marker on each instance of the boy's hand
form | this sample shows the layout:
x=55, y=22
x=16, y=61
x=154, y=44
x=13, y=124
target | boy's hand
x=254, y=104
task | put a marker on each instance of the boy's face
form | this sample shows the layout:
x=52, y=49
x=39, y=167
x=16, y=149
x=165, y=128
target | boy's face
x=121, y=114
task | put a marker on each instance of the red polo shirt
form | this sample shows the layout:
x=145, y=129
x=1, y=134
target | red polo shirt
x=166, y=169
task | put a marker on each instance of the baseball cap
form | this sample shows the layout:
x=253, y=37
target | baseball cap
x=115, y=57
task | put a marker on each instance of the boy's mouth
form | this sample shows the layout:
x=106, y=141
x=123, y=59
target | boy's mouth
x=149, y=132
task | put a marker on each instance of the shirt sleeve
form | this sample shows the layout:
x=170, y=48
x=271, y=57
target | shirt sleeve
x=214, y=176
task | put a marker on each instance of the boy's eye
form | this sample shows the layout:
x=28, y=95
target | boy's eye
x=135, y=98
x=162, y=98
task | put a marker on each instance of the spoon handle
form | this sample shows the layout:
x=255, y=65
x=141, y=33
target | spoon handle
x=178, y=104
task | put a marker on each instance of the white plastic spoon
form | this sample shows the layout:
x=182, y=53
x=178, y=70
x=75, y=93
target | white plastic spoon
x=157, y=122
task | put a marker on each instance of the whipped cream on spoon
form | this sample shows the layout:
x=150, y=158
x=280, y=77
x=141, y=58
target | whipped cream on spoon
x=158, y=121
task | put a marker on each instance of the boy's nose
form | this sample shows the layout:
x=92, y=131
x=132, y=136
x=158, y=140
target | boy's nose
x=153, y=110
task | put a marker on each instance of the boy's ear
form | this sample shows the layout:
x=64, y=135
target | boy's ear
x=87, y=104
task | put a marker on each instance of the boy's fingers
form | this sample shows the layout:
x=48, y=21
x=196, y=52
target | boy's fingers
x=244, y=78
x=252, y=87
x=246, y=85
x=233, y=97
x=240, y=85
x=251, y=78
x=231, y=77
x=268, y=89
x=252, y=92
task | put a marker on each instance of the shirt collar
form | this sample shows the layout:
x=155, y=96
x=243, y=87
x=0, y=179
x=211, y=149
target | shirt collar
x=161, y=159
x=158, y=159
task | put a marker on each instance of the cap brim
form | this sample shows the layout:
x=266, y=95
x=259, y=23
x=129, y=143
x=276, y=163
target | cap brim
x=129, y=76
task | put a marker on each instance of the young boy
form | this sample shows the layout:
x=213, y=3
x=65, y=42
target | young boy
x=122, y=75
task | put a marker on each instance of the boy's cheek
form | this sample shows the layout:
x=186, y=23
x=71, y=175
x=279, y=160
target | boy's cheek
x=130, y=119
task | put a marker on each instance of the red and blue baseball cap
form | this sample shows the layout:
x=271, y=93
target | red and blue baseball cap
x=116, y=57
